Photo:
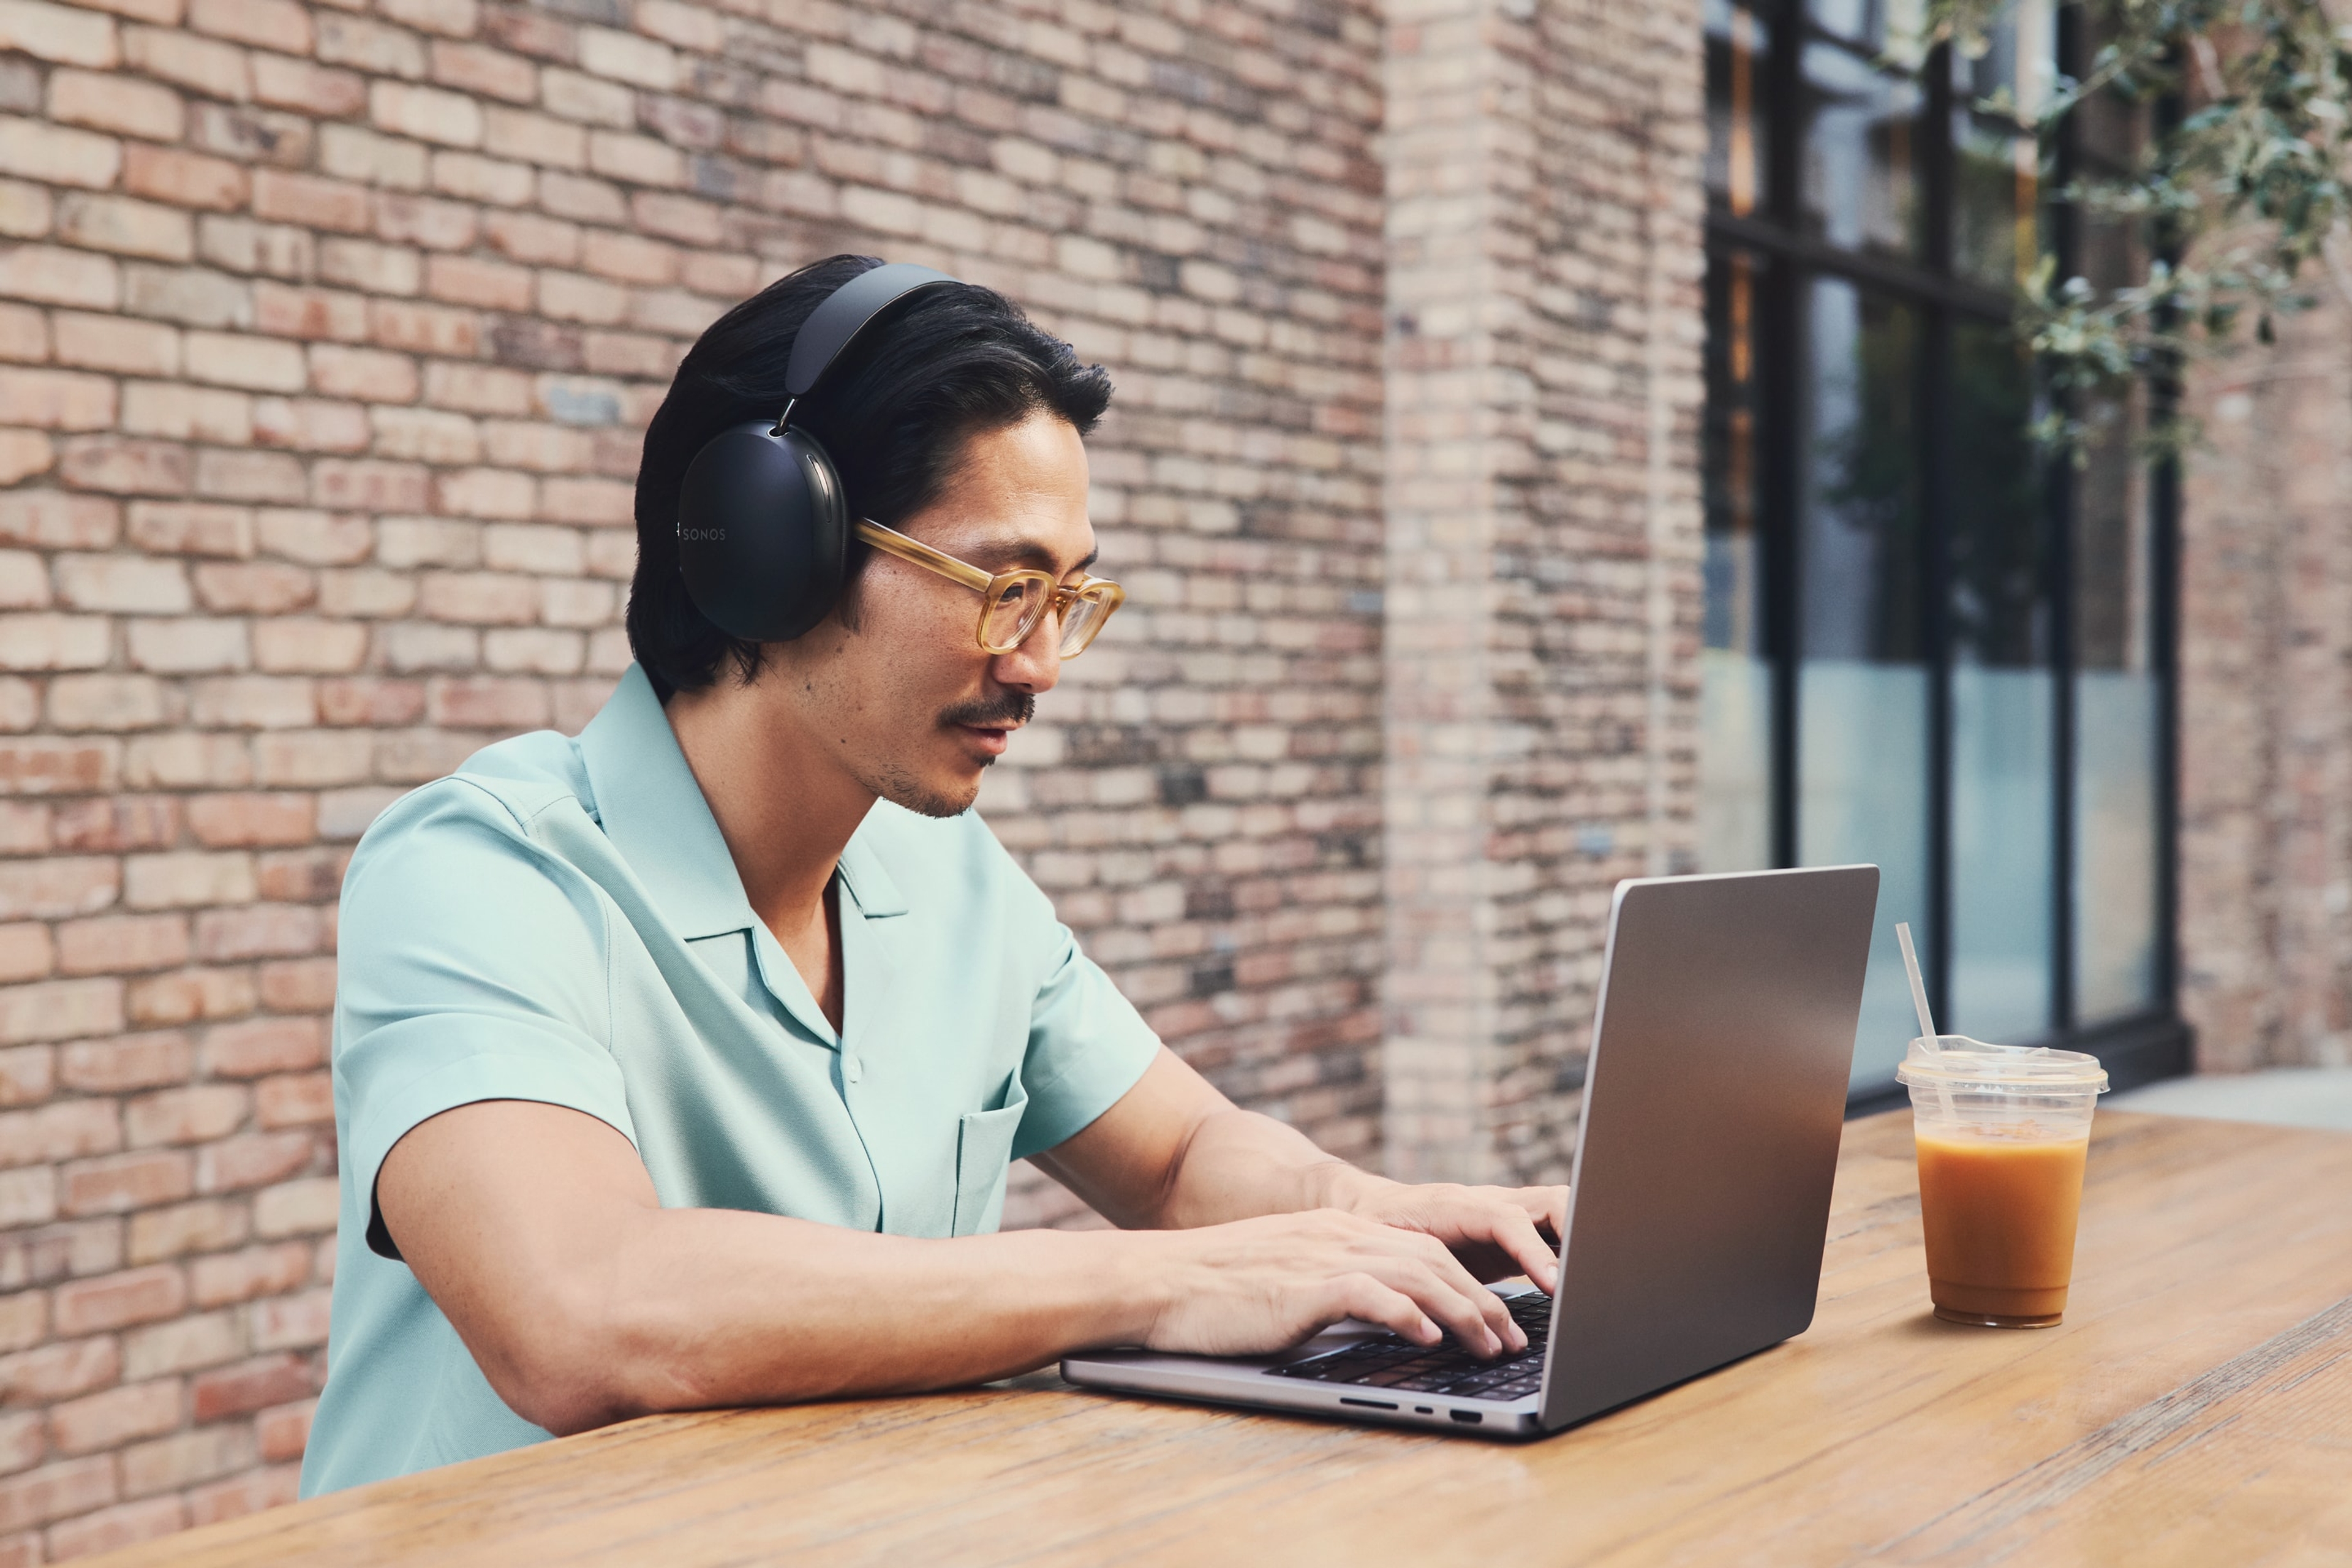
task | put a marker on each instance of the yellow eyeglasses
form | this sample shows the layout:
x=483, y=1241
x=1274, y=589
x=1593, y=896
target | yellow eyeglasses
x=1012, y=604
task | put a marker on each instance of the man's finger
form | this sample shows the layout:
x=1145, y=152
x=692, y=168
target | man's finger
x=1469, y=1310
x=1367, y=1299
x=1517, y=1235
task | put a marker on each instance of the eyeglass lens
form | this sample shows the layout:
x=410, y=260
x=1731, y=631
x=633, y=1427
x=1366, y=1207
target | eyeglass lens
x=1022, y=604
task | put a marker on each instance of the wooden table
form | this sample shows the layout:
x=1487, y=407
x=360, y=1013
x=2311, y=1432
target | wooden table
x=2196, y=1407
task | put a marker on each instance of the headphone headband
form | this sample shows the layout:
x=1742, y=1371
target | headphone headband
x=836, y=324
x=762, y=522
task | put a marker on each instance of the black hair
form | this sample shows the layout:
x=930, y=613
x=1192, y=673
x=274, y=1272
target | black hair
x=948, y=364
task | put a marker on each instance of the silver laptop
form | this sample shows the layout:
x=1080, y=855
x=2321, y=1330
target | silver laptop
x=1700, y=1200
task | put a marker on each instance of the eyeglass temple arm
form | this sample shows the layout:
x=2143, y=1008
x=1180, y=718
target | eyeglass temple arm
x=890, y=542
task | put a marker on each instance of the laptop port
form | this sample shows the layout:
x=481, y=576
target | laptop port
x=1468, y=1417
x=1368, y=1404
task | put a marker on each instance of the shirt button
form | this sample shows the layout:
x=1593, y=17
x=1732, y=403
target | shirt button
x=852, y=1070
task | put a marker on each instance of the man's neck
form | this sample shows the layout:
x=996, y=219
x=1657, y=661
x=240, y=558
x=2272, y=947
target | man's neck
x=785, y=808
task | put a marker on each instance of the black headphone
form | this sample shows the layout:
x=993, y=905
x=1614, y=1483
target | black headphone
x=763, y=523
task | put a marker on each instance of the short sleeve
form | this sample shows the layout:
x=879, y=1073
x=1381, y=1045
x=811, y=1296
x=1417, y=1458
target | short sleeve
x=1087, y=1047
x=472, y=966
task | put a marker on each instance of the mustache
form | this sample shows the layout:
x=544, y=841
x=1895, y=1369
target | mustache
x=994, y=712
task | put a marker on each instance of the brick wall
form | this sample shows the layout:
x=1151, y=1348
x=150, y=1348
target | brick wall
x=326, y=335
x=1541, y=637
x=2266, y=703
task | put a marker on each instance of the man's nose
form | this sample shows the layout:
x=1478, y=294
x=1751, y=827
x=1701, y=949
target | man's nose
x=1035, y=667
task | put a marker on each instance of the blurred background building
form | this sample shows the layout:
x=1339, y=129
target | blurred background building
x=1556, y=441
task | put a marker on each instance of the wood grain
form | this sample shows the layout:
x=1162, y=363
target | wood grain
x=2196, y=1407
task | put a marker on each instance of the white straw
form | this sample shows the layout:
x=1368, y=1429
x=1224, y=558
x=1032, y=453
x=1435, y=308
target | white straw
x=1918, y=986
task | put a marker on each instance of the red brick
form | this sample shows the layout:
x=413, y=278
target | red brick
x=126, y=1062
x=190, y=993
x=315, y=538
x=191, y=179
x=55, y=399
x=24, y=1443
x=312, y=201
x=53, y=274
x=123, y=944
x=120, y=1526
x=52, y=520
x=23, y=1319
x=203, y=66
x=285, y=1432
x=58, y=1132
x=60, y=1010
x=123, y=467
x=192, y=528
x=186, y=1115
x=226, y=1276
x=185, y=1458
x=187, y=878
x=272, y=24
x=28, y=1073
x=121, y=1182
x=259, y=931
x=55, y=767
x=492, y=73
x=119, y=1301
x=294, y=1099
x=117, y=344
x=56, y=1492
x=252, y=1386
x=26, y=952
x=58, y=1370
x=271, y=1488
x=333, y=314
x=305, y=1206
x=370, y=374
x=108, y=1420
x=313, y=89
x=117, y=823
x=60, y=886
x=125, y=105
x=205, y=1225
x=312, y=876
x=252, y=1160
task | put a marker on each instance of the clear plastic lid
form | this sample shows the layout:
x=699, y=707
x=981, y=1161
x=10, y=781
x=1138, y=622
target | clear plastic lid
x=1962, y=1062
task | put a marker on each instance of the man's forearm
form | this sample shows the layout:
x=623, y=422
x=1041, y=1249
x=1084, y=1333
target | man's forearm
x=704, y=1308
x=1239, y=1164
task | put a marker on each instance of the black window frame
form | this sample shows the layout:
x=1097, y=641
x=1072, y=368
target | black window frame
x=2141, y=1047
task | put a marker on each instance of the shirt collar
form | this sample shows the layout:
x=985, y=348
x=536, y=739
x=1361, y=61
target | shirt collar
x=653, y=813
x=653, y=810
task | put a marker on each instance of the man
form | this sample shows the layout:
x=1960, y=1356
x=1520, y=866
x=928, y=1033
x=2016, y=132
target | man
x=680, y=1065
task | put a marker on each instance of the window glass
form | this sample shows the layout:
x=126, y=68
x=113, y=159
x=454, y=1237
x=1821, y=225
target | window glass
x=1999, y=222
x=2003, y=712
x=2117, y=740
x=1862, y=699
x=1736, y=155
x=1862, y=149
x=1735, y=677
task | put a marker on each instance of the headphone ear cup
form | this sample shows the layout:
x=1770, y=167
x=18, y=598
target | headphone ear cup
x=762, y=531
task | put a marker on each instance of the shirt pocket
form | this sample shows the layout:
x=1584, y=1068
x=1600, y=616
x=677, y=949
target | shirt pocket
x=984, y=1157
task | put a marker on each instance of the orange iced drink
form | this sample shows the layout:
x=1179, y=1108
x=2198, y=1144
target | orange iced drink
x=1999, y=1218
x=2001, y=1133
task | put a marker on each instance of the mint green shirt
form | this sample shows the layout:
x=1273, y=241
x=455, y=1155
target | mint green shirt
x=559, y=920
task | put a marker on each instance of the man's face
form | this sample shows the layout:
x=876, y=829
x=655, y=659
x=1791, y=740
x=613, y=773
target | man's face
x=894, y=682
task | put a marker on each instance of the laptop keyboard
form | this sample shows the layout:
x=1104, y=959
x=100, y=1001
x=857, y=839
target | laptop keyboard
x=1391, y=1361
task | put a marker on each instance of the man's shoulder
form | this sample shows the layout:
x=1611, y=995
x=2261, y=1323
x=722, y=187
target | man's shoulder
x=502, y=787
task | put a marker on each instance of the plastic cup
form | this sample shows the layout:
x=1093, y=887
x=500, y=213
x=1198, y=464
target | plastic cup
x=2001, y=1132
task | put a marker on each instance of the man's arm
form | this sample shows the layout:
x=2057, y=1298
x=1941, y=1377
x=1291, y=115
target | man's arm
x=1173, y=1152
x=537, y=1231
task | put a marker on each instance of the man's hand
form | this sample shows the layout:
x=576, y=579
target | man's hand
x=1252, y=1286
x=1497, y=1232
